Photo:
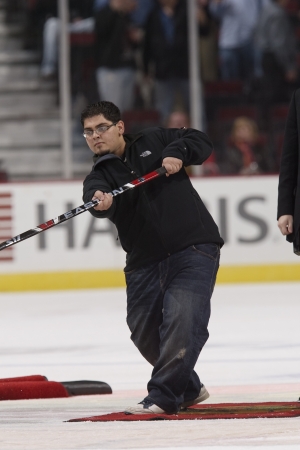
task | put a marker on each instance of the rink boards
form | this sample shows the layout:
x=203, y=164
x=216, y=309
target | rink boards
x=84, y=252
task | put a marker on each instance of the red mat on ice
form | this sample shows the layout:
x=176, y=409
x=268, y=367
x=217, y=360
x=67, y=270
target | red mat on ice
x=27, y=378
x=38, y=386
x=31, y=389
x=205, y=412
x=33, y=386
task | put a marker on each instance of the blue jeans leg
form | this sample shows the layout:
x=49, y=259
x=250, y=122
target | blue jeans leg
x=165, y=93
x=117, y=86
x=50, y=46
x=168, y=313
x=229, y=64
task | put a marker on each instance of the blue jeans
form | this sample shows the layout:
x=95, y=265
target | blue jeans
x=165, y=92
x=168, y=310
x=117, y=86
x=237, y=63
x=50, y=40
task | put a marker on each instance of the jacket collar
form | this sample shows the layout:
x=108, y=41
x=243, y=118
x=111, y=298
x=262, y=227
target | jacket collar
x=129, y=139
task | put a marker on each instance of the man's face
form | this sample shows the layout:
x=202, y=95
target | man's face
x=103, y=142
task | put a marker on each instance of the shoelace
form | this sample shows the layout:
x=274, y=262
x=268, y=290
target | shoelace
x=146, y=404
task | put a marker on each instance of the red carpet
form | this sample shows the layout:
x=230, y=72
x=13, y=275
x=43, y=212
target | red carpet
x=213, y=411
x=28, y=378
x=38, y=386
x=31, y=389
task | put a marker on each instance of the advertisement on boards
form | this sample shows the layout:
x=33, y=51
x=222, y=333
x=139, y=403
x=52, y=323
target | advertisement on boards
x=243, y=207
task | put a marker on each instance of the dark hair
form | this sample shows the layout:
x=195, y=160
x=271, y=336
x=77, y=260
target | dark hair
x=108, y=109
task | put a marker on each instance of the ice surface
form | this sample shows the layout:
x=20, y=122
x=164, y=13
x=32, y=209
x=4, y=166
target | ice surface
x=253, y=354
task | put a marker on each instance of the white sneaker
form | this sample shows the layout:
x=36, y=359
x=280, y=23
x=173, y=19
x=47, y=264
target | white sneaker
x=144, y=407
x=203, y=395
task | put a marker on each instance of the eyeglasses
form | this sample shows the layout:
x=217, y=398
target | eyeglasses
x=99, y=130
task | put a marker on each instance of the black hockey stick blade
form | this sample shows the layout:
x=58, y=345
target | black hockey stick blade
x=86, y=387
x=80, y=209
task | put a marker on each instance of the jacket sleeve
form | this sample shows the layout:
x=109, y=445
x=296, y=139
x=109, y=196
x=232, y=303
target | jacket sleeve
x=189, y=145
x=91, y=184
x=289, y=162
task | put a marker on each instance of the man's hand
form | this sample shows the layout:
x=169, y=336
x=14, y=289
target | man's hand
x=172, y=165
x=285, y=224
x=106, y=200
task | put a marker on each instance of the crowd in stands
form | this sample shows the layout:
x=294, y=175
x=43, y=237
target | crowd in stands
x=135, y=54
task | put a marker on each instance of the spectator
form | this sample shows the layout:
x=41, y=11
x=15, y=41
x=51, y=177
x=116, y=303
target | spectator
x=82, y=21
x=116, y=41
x=208, y=42
x=237, y=20
x=138, y=16
x=276, y=40
x=36, y=12
x=166, y=55
x=246, y=153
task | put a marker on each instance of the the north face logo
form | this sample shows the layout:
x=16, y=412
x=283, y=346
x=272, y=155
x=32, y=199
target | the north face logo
x=146, y=153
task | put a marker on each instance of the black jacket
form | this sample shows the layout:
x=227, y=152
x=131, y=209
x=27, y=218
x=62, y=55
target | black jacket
x=165, y=215
x=170, y=58
x=289, y=179
x=113, y=46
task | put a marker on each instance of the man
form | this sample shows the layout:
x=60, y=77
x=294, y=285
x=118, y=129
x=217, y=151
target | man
x=172, y=246
x=81, y=22
x=237, y=19
x=138, y=16
x=166, y=54
x=288, y=212
x=117, y=39
x=277, y=44
x=288, y=192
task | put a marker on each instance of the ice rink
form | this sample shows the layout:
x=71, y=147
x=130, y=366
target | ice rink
x=253, y=354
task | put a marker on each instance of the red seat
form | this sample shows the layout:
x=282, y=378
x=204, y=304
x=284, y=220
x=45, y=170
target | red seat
x=82, y=39
x=229, y=113
x=223, y=88
x=292, y=6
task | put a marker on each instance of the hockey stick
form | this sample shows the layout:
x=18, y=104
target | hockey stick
x=80, y=209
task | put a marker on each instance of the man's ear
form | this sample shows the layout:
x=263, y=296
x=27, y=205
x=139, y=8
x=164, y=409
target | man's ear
x=121, y=127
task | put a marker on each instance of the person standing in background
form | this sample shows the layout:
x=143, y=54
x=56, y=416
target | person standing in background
x=166, y=55
x=276, y=41
x=208, y=42
x=81, y=21
x=139, y=14
x=237, y=22
x=116, y=42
